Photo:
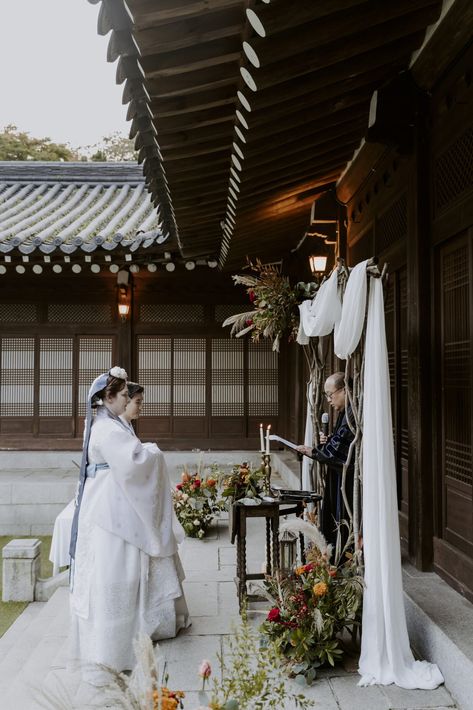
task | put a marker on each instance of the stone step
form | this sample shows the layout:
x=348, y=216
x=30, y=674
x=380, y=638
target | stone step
x=32, y=652
x=11, y=635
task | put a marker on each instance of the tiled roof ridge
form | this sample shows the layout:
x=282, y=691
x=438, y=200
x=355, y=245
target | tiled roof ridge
x=33, y=171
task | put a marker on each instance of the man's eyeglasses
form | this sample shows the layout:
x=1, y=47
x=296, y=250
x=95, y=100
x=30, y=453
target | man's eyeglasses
x=329, y=395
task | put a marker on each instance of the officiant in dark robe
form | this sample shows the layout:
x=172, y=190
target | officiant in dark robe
x=333, y=452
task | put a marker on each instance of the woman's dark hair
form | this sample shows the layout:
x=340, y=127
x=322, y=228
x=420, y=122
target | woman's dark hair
x=113, y=387
x=134, y=388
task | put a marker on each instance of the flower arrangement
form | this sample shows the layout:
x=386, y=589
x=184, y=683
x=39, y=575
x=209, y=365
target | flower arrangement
x=312, y=606
x=274, y=303
x=243, y=482
x=196, y=502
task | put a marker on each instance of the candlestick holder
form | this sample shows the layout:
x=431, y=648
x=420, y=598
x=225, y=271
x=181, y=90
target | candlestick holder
x=266, y=465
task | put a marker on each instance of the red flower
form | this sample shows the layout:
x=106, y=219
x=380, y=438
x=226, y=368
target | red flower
x=179, y=486
x=274, y=614
x=252, y=296
x=309, y=567
x=197, y=483
x=249, y=321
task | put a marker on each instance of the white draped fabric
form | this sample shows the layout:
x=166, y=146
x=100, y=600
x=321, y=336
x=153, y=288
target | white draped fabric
x=320, y=316
x=308, y=463
x=127, y=573
x=385, y=651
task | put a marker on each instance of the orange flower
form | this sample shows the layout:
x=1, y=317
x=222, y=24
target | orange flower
x=333, y=572
x=320, y=589
x=211, y=482
x=300, y=570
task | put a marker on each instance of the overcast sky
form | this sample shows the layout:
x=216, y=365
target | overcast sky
x=55, y=80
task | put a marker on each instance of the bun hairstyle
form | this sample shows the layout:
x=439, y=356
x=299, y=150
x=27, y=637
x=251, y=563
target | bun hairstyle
x=113, y=387
x=134, y=388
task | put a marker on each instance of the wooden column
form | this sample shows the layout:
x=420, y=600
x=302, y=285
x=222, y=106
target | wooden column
x=419, y=353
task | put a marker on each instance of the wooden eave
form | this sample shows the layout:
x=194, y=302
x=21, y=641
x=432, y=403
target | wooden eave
x=249, y=127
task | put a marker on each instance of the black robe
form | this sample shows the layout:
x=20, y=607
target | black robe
x=334, y=454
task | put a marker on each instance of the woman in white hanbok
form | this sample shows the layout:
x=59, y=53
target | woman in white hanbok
x=125, y=573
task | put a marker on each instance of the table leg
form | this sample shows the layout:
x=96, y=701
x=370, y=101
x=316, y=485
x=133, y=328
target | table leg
x=268, y=546
x=241, y=560
x=275, y=526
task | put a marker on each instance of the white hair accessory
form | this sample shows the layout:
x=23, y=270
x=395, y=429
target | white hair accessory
x=99, y=402
x=119, y=373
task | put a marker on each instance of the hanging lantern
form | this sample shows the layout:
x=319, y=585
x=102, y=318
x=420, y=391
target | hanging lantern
x=287, y=552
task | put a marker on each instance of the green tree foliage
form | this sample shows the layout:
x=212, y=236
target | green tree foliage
x=19, y=145
x=114, y=148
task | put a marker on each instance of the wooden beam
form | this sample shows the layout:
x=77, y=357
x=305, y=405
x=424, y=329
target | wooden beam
x=194, y=81
x=275, y=16
x=200, y=56
x=147, y=14
x=188, y=33
x=171, y=106
x=312, y=61
x=346, y=28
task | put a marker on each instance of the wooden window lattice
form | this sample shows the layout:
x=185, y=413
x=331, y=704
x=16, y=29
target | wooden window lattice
x=55, y=377
x=391, y=225
x=228, y=378
x=262, y=380
x=171, y=313
x=189, y=386
x=154, y=373
x=95, y=357
x=456, y=357
x=18, y=313
x=17, y=377
x=225, y=310
x=79, y=313
x=454, y=170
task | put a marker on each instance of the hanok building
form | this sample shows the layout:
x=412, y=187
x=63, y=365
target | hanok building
x=257, y=124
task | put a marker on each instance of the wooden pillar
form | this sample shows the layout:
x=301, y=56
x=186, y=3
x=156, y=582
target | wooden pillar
x=420, y=353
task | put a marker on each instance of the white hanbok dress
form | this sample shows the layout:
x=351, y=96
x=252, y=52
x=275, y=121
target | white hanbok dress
x=126, y=575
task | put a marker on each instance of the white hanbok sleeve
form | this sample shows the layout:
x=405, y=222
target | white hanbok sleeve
x=136, y=500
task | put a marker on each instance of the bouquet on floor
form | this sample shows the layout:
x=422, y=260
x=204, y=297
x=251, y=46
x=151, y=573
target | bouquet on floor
x=313, y=605
x=196, y=502
x=243, y=482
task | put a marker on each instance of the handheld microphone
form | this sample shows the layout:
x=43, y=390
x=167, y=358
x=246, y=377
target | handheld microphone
x=324, y=420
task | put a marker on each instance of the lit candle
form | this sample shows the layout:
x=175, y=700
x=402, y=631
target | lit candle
x=267, y=438
x=261, y=436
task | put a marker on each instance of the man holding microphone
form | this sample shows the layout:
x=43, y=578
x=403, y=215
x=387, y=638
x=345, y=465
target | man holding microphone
x=333, y=451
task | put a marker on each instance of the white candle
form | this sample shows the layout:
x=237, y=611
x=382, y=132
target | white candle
x=261, y=436
x=267, y=438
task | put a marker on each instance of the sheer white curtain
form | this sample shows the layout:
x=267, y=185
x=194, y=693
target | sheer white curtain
x=385, y=651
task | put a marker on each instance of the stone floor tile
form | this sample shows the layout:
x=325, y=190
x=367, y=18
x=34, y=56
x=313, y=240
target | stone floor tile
x=351, y=697
x=212, y=625
x=320, y=692
x=227, y=598
x=184, y=655
x=402, y=698
x=201, y=598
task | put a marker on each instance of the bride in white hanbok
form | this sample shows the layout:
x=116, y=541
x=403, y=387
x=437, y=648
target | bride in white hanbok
x=125, y=571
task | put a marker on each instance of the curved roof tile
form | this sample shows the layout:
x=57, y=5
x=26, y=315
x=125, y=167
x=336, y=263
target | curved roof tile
x=70, y=206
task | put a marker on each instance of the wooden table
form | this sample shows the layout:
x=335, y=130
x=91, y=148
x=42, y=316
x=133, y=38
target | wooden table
x=271, y=511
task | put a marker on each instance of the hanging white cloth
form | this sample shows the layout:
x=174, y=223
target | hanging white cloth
x=386, y=656
x=307, y=463
x=349, y=332
x=320, y=316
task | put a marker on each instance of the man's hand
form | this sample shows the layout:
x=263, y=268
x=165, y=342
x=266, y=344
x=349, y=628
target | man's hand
x=306, y=450
x=322, y=438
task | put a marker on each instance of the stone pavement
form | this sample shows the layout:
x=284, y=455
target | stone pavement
x=38, y=646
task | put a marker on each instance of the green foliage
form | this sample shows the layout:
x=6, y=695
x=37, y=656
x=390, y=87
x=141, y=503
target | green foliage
x=251, y=675
x=114, y=148
x=19, y=145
